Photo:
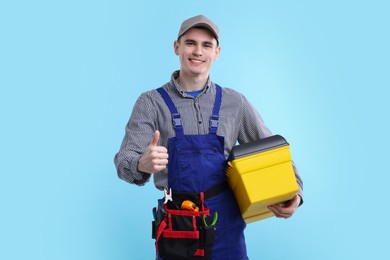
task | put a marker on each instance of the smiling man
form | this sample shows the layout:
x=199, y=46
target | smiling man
x=182, y=134
x=197, y=49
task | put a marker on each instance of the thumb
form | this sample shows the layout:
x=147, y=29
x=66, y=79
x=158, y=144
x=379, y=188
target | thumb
x=156, y=136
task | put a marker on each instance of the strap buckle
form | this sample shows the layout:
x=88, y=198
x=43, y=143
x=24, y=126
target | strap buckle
x=214, y=121
x=176, y=119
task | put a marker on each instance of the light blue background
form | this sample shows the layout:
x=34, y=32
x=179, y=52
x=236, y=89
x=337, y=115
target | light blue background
x=70, y=72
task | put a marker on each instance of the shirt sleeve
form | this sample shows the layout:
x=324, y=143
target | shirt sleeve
x=138, y=133
x=253, y=128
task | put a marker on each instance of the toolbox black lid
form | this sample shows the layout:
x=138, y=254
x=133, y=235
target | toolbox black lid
x=258, y=146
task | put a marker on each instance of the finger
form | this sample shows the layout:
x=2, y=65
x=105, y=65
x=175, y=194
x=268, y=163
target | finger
x=159, y=161
x=159, y=168
x=159, y=165
x=274, y=210
x=297, y=200
x=280, y=211
x=293, y=204
x=156, y=136
x=160, y=150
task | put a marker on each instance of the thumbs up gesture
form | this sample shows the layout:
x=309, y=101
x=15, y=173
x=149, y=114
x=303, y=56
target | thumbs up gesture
x=155, y=158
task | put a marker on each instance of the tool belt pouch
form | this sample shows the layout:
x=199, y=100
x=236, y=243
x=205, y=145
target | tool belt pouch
x=183, y=234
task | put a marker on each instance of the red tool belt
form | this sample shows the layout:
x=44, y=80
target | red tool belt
x=182, y=233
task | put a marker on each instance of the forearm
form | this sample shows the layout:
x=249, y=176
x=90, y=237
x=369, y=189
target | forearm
x=139, y=131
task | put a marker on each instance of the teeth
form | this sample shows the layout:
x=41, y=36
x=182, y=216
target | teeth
x=196, y=61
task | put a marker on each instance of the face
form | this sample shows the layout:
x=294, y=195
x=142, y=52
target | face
x=197, y=49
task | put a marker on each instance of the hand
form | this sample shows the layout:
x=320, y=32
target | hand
x=155, y=159
x=286, y=211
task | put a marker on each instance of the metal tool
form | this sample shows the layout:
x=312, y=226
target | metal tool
x=213, y=222
x=168, y=196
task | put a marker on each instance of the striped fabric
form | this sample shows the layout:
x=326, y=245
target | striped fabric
x=239, y=122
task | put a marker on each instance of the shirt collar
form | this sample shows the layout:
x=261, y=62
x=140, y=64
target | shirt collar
x=174, y=83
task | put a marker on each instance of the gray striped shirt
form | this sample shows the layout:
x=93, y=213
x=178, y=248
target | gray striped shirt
x=238, y=122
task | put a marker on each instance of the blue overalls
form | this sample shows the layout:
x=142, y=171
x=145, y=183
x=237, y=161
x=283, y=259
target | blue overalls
x=196, y=164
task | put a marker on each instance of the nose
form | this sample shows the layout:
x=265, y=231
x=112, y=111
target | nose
x=198, y=50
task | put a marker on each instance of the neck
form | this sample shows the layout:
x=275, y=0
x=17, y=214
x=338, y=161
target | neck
x=192, y=83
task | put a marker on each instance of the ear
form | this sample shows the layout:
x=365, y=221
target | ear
x=217, y=52
x=176, y=47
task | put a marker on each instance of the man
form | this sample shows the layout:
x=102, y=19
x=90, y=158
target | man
x=189, y=155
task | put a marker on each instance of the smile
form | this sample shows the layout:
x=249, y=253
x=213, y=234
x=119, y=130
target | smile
x=196, y=61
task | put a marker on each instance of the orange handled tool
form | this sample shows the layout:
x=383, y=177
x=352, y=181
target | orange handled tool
x=189, y=205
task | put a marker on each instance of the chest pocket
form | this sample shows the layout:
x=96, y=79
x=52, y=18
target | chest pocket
x=198, y=169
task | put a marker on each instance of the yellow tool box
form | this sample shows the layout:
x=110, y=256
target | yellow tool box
x=260, y=174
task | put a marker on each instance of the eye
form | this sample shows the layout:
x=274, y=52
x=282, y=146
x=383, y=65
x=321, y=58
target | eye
x=208, y=45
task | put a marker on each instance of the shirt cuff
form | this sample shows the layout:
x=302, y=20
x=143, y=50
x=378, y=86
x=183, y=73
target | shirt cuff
x=139, y=176
x=300, y=193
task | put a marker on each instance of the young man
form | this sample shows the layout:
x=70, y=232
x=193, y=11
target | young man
x=209, y=120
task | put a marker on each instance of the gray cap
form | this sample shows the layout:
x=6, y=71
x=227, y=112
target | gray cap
x=199, y=21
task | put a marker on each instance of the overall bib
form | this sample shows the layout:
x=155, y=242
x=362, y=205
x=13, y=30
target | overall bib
x=197, y=164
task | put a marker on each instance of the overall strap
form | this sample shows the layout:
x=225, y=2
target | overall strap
x=176, y=119
x=214, y=118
